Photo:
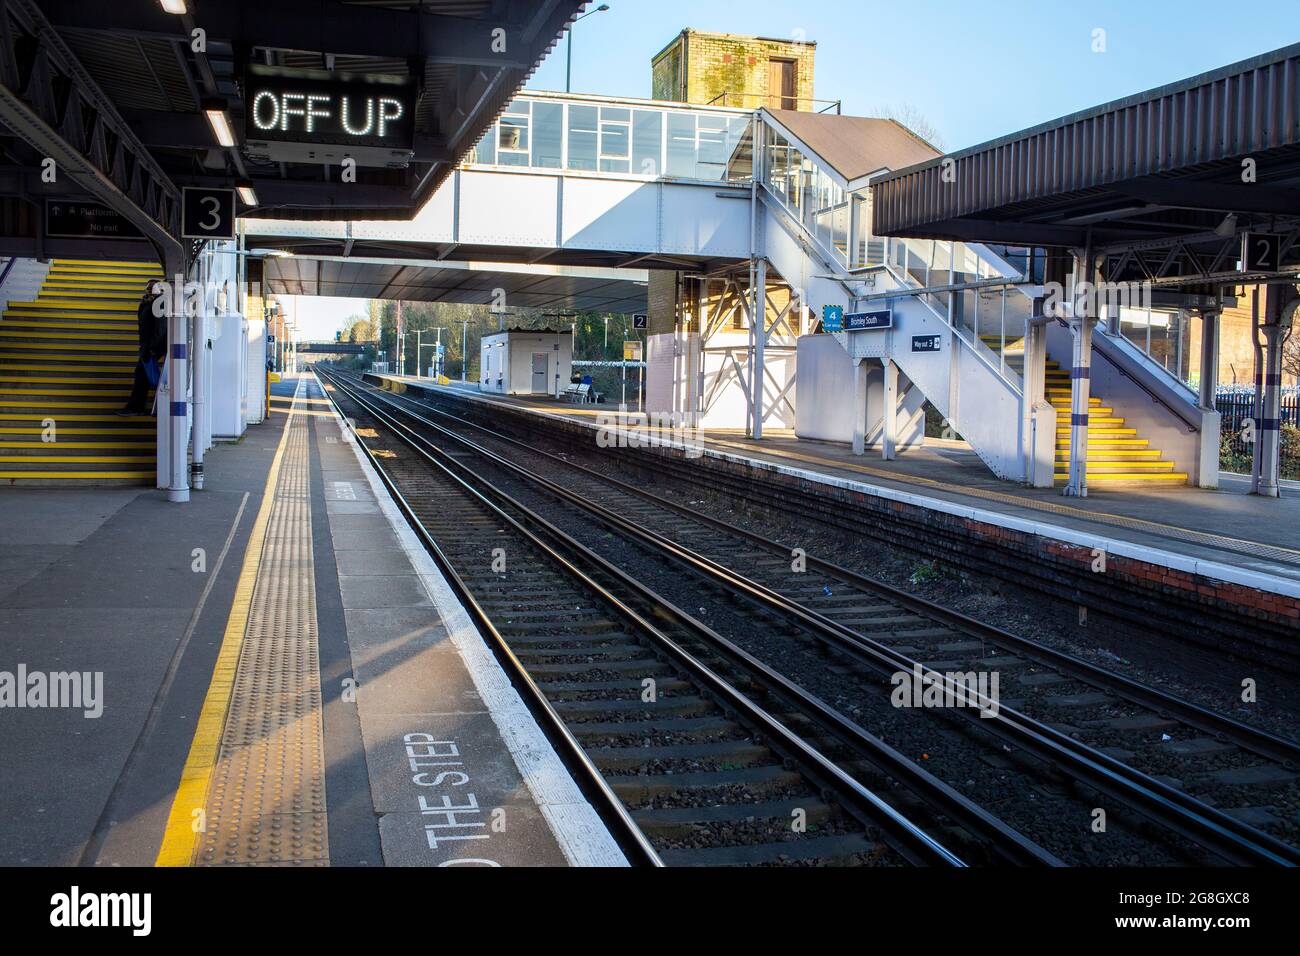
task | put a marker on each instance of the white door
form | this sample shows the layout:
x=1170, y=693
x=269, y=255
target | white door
x=541, y=362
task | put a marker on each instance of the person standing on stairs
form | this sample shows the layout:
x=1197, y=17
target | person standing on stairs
x=151, y=331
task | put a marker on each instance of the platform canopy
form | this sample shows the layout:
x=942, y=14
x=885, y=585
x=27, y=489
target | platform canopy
x=1168, y=180
x=429, y=75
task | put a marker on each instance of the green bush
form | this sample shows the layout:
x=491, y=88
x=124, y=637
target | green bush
x=1235, y=457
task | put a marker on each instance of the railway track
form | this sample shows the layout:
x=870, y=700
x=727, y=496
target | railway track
x=1060, y=700
x=692, y=769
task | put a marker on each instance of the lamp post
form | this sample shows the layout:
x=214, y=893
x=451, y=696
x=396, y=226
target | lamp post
x=464, y=351
x=568, y=46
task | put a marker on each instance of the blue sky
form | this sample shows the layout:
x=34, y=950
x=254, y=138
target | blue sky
x=976, y=69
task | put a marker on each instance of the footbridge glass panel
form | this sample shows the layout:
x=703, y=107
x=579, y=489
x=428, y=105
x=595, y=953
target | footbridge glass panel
x=625, y=137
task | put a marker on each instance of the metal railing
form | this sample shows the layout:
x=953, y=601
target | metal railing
x=754, y=100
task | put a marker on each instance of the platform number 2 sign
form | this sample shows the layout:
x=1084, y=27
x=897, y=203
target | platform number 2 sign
x=1260, y=252
x=207, y=213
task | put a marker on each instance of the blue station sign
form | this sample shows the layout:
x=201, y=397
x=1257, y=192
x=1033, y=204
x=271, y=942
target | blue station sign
x=875, y=319
x=832, y=318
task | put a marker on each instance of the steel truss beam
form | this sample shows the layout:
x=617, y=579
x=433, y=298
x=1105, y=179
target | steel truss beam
x=51, y=102
x=1203, y=258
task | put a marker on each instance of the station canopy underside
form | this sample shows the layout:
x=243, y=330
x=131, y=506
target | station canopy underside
x=150, y=91
x=538, y=286
x=1167, y=179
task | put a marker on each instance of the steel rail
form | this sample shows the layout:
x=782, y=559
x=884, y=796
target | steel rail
x=1232, y=839
x=913, y=842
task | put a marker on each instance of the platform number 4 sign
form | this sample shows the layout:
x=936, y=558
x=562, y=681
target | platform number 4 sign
x=1260, y=252
x=638, y=320
x=207, y=213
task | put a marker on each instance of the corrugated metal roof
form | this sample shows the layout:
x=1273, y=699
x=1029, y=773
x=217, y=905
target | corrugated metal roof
x=1038, y=184
x=855, y=146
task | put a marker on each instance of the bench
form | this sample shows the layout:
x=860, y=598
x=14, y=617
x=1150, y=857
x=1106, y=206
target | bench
x=583, y=394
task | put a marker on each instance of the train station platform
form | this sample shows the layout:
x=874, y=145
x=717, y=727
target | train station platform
x=276, y=674
x=1224, y=535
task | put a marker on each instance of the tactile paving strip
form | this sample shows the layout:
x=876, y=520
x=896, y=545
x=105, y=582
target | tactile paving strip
x=266, y=805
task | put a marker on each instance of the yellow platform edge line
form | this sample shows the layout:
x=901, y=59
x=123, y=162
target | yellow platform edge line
x=179, y=838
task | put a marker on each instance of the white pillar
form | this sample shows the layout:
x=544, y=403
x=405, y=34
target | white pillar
x=1080, y=370
x=1039, y=415
x=1207, y=467
x=176, y=411
x=202, y=358
x=859, y=406
x=759, y=319
x=1268, y=428
x=889, y=424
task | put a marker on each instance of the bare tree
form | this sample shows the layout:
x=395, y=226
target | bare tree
x=1291, y=354
x=913, y=119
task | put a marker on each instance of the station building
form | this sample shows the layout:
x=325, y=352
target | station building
x=526, y=362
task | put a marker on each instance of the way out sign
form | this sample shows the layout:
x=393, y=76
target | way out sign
x=207, y=213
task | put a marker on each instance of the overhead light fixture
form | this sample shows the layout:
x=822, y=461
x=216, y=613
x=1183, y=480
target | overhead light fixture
x=215, y=110
x=245, y=189
x=174, y=6
x=1228, y=227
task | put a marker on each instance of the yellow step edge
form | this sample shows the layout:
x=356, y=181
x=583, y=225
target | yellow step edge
x=103, y=265
x=100, y=445
x=47, y=352
x=55, y=367
x=1104, y=432
x=81, y=292
x=72, y=305
x=12, y=403
x=1113, y=467
x=22, y=417
x=1158, y=477
x=122, y=328
x=59, y=346
x=90, y=475
x=1116, y=454
x=75, y=431
x=70, y=336
x=67, y=392
x=77, y=459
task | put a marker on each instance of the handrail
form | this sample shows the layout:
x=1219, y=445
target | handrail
x=9, y=264
x=767, y=98
x=919, y=294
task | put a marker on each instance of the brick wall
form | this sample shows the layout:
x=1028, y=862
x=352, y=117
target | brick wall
x=699, y=67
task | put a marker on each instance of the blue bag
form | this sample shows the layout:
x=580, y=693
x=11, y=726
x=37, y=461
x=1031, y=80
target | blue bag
x=150, y=371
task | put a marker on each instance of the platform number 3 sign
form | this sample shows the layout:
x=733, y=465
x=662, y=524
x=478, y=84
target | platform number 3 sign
x=207, y=213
